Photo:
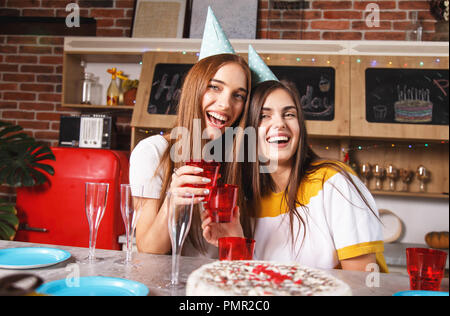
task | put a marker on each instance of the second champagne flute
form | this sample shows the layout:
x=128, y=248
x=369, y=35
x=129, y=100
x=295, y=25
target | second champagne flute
x=95, y=205
x=180, y=208
x=129, y=208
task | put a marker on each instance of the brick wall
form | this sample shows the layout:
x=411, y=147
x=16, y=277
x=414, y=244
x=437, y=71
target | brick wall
x=341, y=20
x=31, y=66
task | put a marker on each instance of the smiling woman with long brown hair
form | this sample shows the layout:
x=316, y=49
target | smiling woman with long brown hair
x=214, y=93
x=308, y=210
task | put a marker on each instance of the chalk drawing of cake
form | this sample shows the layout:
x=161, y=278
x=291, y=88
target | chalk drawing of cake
x=413, y=106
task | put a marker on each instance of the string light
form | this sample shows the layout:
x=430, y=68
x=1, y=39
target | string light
x=421, y=63
x=358, y=60
x=313, y=60
x=347, y=150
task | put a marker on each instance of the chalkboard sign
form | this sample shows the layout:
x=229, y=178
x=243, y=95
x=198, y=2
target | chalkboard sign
x=316, y=86
x=166, y=88
x=407, y=96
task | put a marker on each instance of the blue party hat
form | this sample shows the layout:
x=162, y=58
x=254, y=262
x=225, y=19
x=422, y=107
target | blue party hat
x=260, y=71
x=214, y=39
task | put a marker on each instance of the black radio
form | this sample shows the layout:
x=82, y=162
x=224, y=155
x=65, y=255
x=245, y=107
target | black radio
x=86, y=131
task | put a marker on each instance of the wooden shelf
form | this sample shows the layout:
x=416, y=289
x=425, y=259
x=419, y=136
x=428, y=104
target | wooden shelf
x=99, y=107
x=411, y=194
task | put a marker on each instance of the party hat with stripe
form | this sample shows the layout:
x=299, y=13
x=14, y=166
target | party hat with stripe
x=214, y=39
x=260, y=71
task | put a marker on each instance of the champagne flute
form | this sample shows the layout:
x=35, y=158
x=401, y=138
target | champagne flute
x=129, y=208
x=95, y=205
x=180, y=208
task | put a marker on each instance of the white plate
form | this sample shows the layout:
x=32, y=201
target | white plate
x=392, y=226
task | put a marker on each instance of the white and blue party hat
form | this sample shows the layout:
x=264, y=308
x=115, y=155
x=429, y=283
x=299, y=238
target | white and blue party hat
x=214, y=41
x=260, y=71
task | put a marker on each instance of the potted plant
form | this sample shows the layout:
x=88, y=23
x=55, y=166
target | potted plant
x=20, y=165
x=439, y=9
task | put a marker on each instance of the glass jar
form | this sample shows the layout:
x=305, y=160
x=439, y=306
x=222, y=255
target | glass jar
x=87, y=88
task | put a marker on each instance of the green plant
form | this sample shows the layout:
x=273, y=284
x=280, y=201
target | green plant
x=20, y=165
x=8, y=220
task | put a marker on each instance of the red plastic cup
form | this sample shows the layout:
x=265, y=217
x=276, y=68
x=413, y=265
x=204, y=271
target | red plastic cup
x=222, y=202
x=425, y=268
x=236, y=248
x=210, y=171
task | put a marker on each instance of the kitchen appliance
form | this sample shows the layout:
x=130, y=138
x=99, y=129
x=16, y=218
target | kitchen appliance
x=86, y=131
x=54, y=213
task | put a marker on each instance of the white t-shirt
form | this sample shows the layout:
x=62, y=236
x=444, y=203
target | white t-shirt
x=338, y=224
x=144, y=161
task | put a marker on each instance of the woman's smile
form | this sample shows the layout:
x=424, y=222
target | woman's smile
x=225, y=97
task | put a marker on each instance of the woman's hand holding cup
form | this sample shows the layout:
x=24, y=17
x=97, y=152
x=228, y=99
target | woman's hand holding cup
x=189, y=179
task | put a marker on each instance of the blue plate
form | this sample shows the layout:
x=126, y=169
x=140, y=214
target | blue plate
x=93, y=286
x=421, y=293
x=31, y=257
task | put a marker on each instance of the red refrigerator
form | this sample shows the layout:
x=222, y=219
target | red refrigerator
x=53, y=213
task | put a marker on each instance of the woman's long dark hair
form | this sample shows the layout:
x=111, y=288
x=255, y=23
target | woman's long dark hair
x=189, y=109
x=305, y=162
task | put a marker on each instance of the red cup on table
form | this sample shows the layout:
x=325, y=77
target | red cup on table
x=236, y=248
x=210, y=171
x=425, y=268
x=222, y=202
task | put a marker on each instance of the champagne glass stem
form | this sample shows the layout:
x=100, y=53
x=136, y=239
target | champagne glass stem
x=93, y=244
x=175, y=267
x=128, y=254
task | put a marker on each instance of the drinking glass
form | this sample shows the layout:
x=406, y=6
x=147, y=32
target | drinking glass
x=95, y=204
x=366, y=173
x=236, y=248
x=222, y=202
x=129, y=208
x=425, y=268
x=180, y=208
x=210, y=171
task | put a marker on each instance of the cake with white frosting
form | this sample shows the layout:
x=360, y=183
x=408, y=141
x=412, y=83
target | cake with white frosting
x=261, y=278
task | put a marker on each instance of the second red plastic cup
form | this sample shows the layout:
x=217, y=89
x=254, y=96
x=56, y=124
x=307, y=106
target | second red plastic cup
x=222, y=202
x=236, y=248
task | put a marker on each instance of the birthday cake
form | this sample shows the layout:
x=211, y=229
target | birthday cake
x=262, y=278
x=413, y=111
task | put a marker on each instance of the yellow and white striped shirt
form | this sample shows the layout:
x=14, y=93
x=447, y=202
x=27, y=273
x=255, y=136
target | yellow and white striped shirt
x=338, y=224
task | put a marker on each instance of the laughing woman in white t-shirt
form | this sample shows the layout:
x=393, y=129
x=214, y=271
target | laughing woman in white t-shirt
x=307, y=210
x=215, y=93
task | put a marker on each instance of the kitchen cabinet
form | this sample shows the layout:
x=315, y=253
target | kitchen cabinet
x=347, y=131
